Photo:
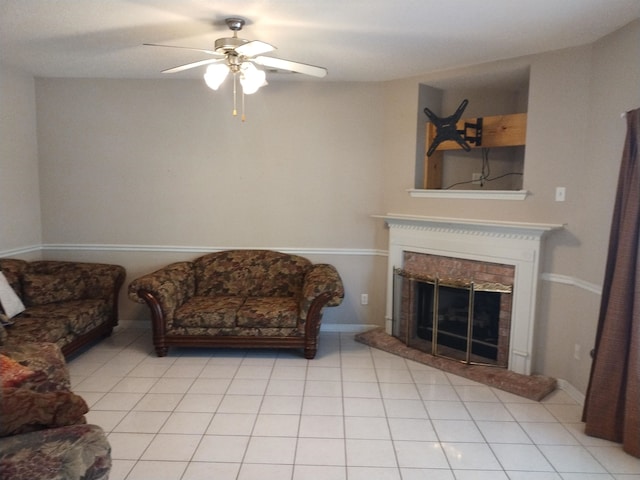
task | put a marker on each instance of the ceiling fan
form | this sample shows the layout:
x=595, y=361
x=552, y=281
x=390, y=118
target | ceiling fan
x=238, y=56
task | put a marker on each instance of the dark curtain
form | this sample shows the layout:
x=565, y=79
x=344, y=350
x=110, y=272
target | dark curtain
x=612, y=404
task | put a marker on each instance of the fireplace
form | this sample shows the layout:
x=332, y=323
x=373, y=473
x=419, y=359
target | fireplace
x=454, y=308
x=515, y=251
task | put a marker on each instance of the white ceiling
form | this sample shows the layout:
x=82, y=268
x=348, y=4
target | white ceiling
x=357, y=40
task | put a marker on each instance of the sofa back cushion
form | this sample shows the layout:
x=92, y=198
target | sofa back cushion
x=84, y=280
x=42, y=289
x=251, y=273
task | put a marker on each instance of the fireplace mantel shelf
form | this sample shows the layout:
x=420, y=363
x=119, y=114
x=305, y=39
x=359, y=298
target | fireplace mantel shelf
x=440, y=222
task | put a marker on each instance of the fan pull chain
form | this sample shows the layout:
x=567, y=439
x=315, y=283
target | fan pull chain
x=235, y=110
x=243, y=117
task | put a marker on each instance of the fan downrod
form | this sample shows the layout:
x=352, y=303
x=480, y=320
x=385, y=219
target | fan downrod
x=226, y=46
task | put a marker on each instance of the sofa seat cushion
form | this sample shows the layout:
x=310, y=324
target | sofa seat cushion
x=75, y=452
x=40, y=330
x=274, y=312
x=77, y=316
x=216, y=312
x=236, y=311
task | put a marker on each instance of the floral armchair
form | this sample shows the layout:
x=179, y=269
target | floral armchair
x=239, y=298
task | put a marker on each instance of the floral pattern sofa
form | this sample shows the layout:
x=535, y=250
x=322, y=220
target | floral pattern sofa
x=67, y=303
x=43, y=432
x=239, y=298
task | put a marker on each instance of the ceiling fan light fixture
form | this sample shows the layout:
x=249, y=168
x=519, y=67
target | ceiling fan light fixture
x=251, y=78
x=215, y=75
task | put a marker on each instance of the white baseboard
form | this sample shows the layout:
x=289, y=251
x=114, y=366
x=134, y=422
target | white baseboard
x=139, y=324
x=346, y=327
x=572, y=391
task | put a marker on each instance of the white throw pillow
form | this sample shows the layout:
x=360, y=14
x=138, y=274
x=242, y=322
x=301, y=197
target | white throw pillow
x=10, y=301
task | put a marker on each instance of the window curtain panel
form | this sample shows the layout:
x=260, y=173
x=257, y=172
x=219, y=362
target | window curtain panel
x=612, y=403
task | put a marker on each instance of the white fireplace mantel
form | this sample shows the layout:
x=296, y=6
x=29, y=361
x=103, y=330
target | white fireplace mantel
x=510, y=243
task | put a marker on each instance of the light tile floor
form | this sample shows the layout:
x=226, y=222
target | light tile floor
x=352, y=413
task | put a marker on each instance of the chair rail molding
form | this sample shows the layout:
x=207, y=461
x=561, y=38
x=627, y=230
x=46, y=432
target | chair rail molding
x=204, y=249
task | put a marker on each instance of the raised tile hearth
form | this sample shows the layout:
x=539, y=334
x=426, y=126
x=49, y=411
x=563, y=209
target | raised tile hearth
x=533, y=387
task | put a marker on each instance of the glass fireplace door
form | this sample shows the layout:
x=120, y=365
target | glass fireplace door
x=450, y=319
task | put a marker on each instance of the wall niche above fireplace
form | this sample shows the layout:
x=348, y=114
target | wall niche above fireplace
x=501, y=97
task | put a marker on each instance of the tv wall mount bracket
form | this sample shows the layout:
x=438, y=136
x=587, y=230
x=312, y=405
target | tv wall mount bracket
x=446, y=129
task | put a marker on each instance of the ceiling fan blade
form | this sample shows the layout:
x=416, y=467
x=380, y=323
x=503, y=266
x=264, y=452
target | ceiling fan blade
x=282, y=64
x=253, y=48
x=210, y=52
x=187, y=66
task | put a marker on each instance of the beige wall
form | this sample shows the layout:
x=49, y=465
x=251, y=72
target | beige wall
x=164, y=163
x=147, y=172
x=144, y=172
x=20, y=227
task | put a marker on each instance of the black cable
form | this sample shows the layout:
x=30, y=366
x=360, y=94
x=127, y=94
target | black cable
x=485, y=167
x=459, y=183
x=485, y=172
x=504, y=175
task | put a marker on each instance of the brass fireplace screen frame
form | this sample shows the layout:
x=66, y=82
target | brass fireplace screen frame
x=471, y=286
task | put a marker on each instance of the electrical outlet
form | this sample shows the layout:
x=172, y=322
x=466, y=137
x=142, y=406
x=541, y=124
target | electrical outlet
x=476, y=178
x=364, y=299
x=561, y=194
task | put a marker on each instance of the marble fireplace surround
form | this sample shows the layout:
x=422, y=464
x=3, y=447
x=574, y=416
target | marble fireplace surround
x=510, y=243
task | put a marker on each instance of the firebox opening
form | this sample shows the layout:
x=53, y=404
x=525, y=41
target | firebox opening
x=459, y=320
